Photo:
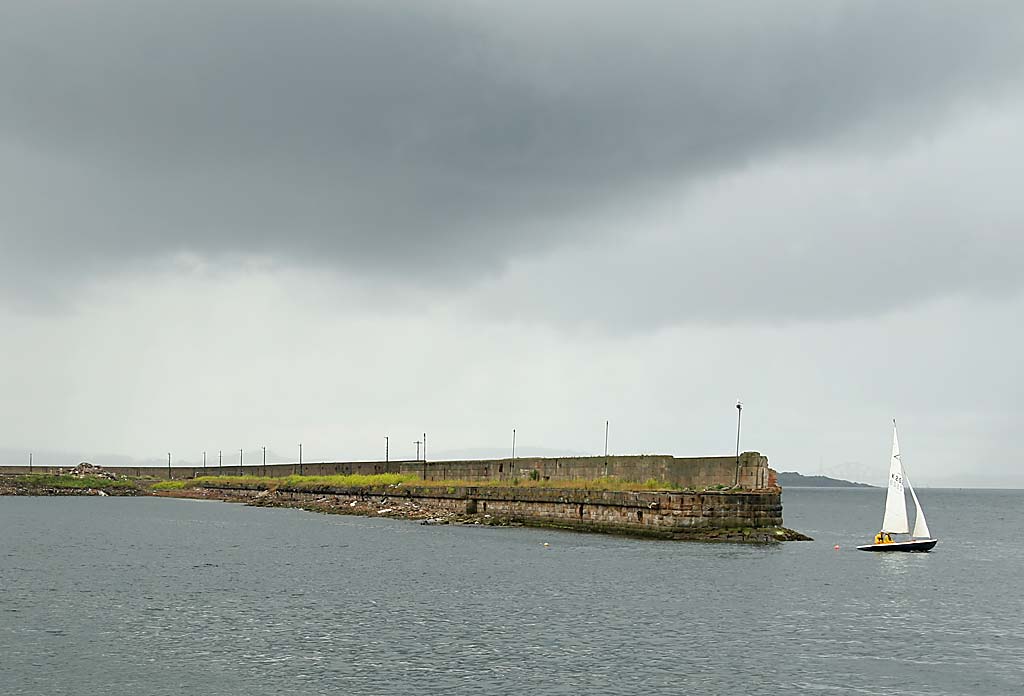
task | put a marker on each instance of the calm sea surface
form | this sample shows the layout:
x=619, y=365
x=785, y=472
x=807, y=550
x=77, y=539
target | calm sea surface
x=160, y=596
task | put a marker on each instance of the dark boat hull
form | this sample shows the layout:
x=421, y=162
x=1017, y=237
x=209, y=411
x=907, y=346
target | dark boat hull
x=916, y=545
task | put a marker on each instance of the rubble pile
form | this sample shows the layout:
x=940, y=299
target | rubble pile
x=87, y=470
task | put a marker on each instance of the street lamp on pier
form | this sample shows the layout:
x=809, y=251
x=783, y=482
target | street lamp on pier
x=739, y=414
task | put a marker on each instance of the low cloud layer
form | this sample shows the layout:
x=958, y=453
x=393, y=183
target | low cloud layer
x=232, y=224
x=450, y=141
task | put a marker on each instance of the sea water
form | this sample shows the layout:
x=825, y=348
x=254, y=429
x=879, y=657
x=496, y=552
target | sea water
x=160, y=596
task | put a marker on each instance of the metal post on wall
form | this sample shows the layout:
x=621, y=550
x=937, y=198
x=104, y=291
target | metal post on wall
x=513, y=443
x=30, y=462
x=204, y=459
x=239, y=462
x=169, y=477
x=300, y=459
x=424, y=447
x=387, y=449
x=264, y=460
x=220, y=462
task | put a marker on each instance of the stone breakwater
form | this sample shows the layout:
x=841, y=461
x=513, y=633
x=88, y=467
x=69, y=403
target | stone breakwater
x=735, y=516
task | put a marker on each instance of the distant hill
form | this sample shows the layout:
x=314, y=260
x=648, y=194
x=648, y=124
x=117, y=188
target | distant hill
x=791, y=479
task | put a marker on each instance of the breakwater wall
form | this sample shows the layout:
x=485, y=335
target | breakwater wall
x=708, y=516
x=750, y=471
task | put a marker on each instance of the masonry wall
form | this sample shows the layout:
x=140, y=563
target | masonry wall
x=751, y=472
x=662, y=514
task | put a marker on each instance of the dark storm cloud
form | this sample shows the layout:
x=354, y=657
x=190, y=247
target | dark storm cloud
x=369, y=135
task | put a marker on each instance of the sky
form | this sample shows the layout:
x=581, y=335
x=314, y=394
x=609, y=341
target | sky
x=232, y=224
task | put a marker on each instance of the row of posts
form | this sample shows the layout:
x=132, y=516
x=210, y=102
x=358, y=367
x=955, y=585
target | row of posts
x=418, y=443
x=241, y=454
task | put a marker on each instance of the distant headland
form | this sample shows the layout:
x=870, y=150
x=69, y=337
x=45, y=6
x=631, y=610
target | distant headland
x=791, y=479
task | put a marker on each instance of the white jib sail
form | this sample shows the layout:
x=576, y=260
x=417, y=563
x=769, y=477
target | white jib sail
x=895, y=520
x=920, y=525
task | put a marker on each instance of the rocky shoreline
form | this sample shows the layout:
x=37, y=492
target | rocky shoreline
x=372, y=506
x=27, y=489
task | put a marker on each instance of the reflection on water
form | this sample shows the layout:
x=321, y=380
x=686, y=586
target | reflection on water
x=155, y=596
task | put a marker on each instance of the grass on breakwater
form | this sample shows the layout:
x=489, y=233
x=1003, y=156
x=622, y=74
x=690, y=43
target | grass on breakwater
x=359, y=481
x=54, y=481
x=170, y=485
x=604, y=483
x=297, y=482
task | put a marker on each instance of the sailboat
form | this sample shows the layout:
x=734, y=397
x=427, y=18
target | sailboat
x=895, y=519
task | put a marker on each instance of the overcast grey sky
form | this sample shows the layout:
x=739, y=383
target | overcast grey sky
x=230, y=223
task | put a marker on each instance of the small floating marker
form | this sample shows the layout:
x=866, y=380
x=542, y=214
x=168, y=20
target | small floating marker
x=836, y=547
x=546, y=544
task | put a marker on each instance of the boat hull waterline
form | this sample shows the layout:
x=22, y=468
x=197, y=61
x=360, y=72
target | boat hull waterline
x=915, y=545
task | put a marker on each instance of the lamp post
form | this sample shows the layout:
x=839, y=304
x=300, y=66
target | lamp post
x=424, y=447
x=739, y=415
x=220, y=462
x=239, y=462
x=30, y=462
x=169, y=477
x=264, y=460
x=513, y=443
x=417, y=443
x=300, y=459
x=387, y=449
x=606, y=440
x=204, y=459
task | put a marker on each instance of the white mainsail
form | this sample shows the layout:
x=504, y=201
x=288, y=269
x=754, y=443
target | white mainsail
x=895, y=519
